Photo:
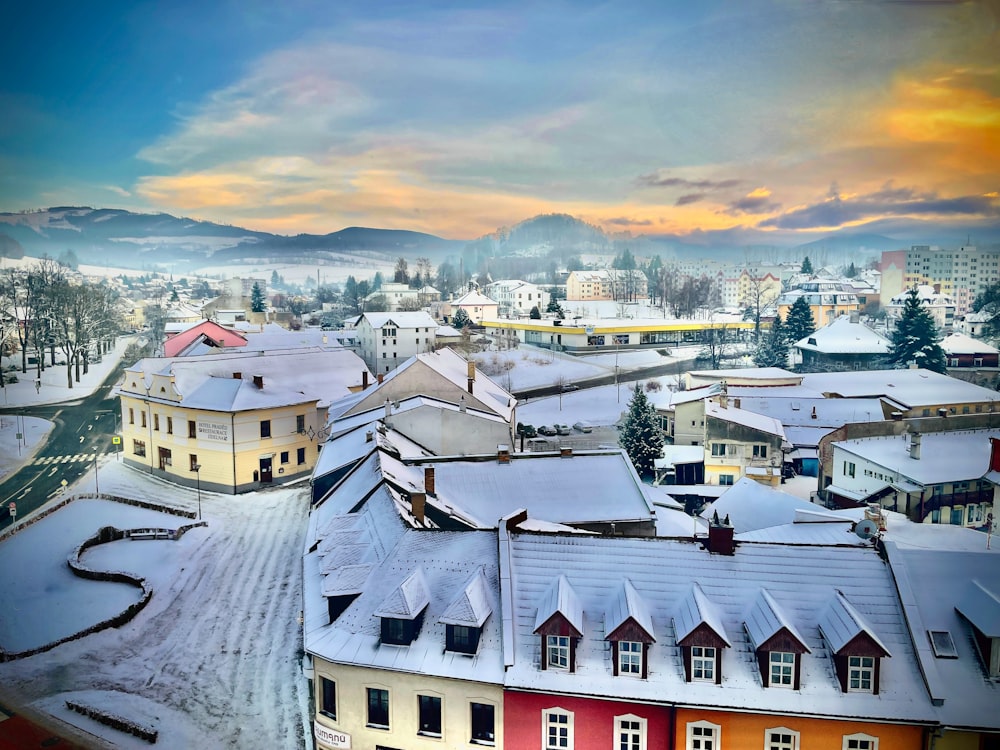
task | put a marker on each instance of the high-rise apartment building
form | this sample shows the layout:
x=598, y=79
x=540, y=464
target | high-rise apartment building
x=962, y=273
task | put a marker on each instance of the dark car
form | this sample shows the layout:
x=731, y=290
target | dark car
x=528, y=430
x=546, y=430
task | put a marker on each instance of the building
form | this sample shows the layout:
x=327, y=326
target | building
x=232, y=422
x=844, y=344
x=961, y=273
x=398, y=296
x=386, y=340
x=757, y=290
x=477, y=306
x=966, y=352
x=828, y=300
x=515, y=298
x=606, y=284
x=940, y=306
x=893, y=268
x=201, y=338
x=740, y=443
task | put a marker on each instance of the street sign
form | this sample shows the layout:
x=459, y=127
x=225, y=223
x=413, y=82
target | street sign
x=116, y=440
x=13, y=509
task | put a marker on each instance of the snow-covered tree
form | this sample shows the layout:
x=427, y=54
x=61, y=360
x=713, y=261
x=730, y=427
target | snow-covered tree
x=461, y=319
x=800, y=321
x=915, y=338
x=641, y=436
x=807, y=266
x=773, y=348
x=257, y=301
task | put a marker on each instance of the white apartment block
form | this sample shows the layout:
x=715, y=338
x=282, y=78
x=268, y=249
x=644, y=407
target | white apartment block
x=962, y=273
x=386, y=340
x=516, y=297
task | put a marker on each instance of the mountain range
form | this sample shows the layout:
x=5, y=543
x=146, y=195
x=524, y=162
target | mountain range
x=141, y=240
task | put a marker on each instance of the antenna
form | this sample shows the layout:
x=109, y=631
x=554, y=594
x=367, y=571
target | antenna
x=866, y=529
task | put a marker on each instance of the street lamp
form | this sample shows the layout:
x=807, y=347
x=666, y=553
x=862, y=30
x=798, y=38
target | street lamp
x=97, y=484
x=197, y=470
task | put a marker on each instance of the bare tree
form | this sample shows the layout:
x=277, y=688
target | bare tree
x=759, y=296
x=718, y=345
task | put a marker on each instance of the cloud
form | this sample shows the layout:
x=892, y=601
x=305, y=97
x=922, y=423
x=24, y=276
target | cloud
x=757, y=201
x=689, y=198
x=838, y=211
x=661, y=179
x=622, y=221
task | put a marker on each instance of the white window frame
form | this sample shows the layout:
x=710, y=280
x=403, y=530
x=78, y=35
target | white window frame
x=634, y=736
x=551, y=720
x=857, y=671
x=556, y=646
x=630, y=658
x=793, y=736
x=780, y=665
x=695, y=737
x=703, y=662
x=861, y=741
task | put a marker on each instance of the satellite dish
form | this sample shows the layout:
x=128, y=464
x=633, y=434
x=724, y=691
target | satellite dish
x=866, y=529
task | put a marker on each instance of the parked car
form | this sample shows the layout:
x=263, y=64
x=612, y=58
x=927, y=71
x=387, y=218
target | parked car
x=529, y=431
x=583, y=427
x=563, y=429
x=546, y=430
x=570, y=387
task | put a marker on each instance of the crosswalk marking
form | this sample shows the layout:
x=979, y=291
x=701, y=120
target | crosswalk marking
x=76, y=457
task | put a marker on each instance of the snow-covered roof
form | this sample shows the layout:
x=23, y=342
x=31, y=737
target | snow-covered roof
x=953, y=456
x=743, y=417
x=474, y=298
x=811, y=412
x=625, y=604
x=959, y=343
x=932, y=585
x=845, y=336
x=680, y=454
x=840, y=623
x=696, y=609
x=417, y=319
x=472, y=605
x=408, y=599
x=766, y=618
x=800, y=581
x=559, y=599
x=912, y=388
x=751, y=505
x=980, y=605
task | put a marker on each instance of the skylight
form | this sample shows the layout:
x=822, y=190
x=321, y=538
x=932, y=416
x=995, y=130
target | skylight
x=943, y=644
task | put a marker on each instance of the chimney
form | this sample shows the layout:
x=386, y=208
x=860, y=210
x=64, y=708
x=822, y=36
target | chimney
x=258, y=380
x=943, y=413
x=736, y=403
x=418, y=504
x=565, y=451
x=237, y=376
x=994, y=454
x=324, y=338
x=724, y=400
x=461, y=405
x=429, y=480
x=364, y=379
x=388, y=409
x=813, y=415
x=720, y=536
x=915, y=445
x=855, y=316
x=897, y=416
x=369, y=436
x=503, y=454
x=379, y=376
x=471, y=370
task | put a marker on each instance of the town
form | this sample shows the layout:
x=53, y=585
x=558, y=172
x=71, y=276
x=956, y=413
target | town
x=522, y=515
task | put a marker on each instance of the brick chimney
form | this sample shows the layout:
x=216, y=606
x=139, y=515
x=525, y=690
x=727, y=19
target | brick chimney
x=379, y=376
x=418, y=505
x=566, y=451
x=503, y=454
x=258, y=380
x=237, y=376
x=429, y=480
x=470, y=375
x=720, y=536
x=364, y=379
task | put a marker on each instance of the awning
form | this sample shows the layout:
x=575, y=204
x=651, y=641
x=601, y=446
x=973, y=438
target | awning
x=804, y=453
x=849, y=494
x=903, y=486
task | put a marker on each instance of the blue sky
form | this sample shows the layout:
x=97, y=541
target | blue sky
x=747, y=120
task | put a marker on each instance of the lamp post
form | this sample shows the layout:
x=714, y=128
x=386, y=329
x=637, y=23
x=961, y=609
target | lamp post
x=197, y=470
x=97, y=484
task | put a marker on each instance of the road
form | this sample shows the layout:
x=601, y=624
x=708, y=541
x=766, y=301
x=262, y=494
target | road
x=83, y=430
x=670, y=368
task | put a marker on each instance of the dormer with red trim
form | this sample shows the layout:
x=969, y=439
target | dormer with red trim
x=857, y=651
x=701, y=636
x=629, y=628
x=776, y=642
x=559, y=623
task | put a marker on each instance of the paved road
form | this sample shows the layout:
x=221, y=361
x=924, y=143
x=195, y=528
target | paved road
x=83, y=430
x=670, y=368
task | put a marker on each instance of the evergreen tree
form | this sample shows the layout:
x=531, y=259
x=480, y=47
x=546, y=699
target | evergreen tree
x=773, y=349
x=257, y=301
x=807, y=266
x=460, y=319
x=535, y=313
x=915, y=338
x=555, y=307
x=851, y=271
x=800, y=321
x=641, y=436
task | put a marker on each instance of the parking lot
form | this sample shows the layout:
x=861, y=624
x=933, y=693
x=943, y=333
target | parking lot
x=599, y=437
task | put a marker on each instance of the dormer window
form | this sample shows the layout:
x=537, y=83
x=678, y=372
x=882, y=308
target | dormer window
x=557, y=651
x=630, y=659
x=978, y=607
x=461, y=639
x=776, y=642
x=857, y=650
x=703, y=663
x=630, y=631
x=701, y=636
x=466, y=616
x=559, y=623
x=402, y=613
x=783, y=668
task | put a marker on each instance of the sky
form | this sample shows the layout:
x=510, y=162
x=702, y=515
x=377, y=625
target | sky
x=728, y=120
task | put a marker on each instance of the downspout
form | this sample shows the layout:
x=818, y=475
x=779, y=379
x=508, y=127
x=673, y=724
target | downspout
x=672, y=727
x=232, y=434
x=149, y=430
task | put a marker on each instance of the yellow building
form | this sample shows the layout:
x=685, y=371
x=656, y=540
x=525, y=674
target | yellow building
x=752, y=291
x=606, y=284
x=233, y=422
x=827, y=301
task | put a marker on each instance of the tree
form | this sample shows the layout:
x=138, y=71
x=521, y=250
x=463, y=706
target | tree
x=641, y=436
x=851, y=271
x=807, y=266
x=554, y=307
x=987, y=306
x=461, y=319
x=773, y=349
x=718, y=345
x=535, y=313
x=400, y=273
x=377, y=303
x=800, y=321
x=257, y=302
x=915, y=338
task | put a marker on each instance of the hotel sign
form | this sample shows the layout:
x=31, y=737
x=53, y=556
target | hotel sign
x=218, y=431
x=331, y=738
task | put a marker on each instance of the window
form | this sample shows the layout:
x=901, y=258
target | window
x=703, y=736
x=394, y=631
x=430, y=715
x=139, y=447
x=629, y=657
x=143, y=419
x=726, y=480
x=782, y=668
x=193, y=461
x=557, y=729
x=300, y=422
x=156, y=422
x=860, y=742
x=781, y=738
x=630, y=733
x=461, y=639
x=265, y=428
x=284, y=457
x=192, y=429
x=170, y=425
x=557, y=650
x=378, y=708
x=703, y=663
x=953, y=362
x=760, y=451
x=328, y=698
x=300, y=456
x=860, y=673
x=482, y=721
x=131, y=415
x=718, y=449
x=848, y=469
